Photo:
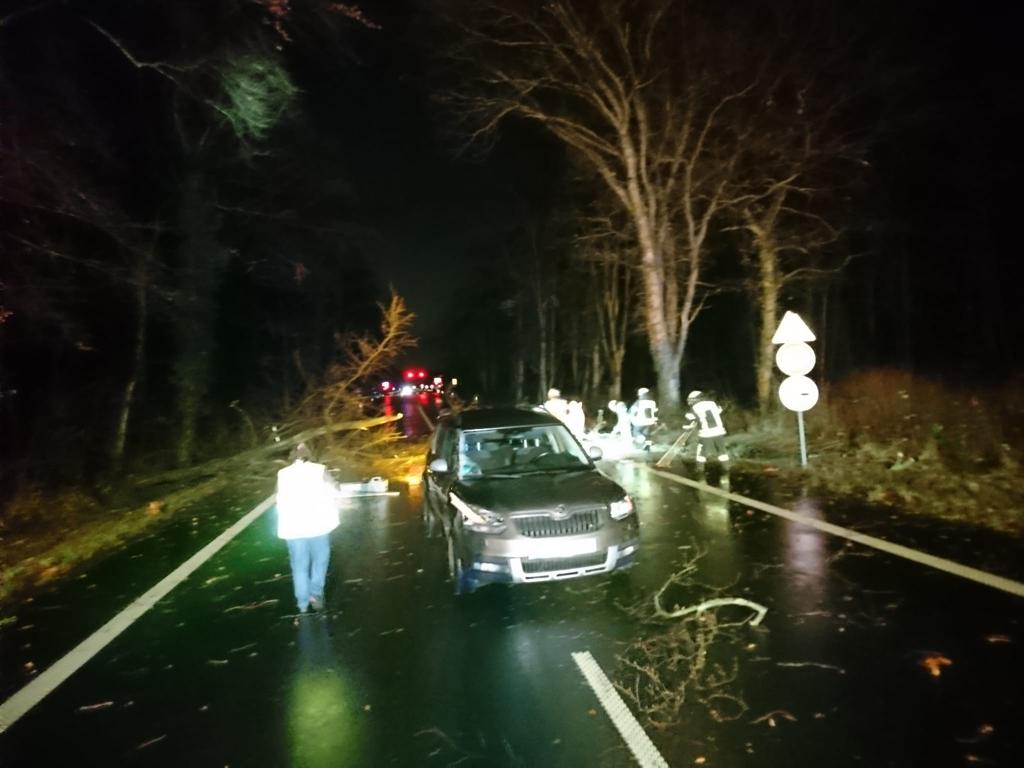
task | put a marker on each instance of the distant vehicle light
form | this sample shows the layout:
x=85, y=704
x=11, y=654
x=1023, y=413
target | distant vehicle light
x=385, y=385
x=422, y=374
x=407, y=390
x=410, y=375
x=455, y=382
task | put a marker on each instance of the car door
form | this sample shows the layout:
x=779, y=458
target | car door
x=438, y=483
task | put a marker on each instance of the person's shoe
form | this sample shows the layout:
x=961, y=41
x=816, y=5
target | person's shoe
x=316, y=602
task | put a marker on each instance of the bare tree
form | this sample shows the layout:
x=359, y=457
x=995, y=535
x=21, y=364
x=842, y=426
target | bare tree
x=646, y=93
x=602, y=252
x=816, y=116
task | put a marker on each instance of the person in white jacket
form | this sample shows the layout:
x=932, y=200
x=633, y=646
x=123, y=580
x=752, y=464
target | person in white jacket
x=307, y=512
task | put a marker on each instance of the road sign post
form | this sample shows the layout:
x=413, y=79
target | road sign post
x=795, y=358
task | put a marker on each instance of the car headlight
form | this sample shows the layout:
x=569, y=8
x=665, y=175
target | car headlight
x=621, y=509
x=477, y=518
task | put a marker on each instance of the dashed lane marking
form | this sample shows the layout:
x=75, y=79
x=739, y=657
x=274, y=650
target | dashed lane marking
x=939, y=563
x=30, y=695
x=639, y=743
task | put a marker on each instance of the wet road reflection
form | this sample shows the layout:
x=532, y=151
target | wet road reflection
x=396, y=671
x=419, y=412
x=324, y=724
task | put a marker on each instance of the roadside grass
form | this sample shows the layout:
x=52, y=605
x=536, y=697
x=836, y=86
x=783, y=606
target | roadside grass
x=47, y=536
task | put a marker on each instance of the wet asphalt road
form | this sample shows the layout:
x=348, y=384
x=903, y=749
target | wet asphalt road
x=396, y=671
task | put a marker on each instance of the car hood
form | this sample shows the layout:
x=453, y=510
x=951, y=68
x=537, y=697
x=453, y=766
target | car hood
x=539, y=491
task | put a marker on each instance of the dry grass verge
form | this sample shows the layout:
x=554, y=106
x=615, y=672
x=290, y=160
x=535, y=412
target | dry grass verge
x=35, y=551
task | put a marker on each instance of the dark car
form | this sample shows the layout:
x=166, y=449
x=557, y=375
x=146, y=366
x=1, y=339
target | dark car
x=519, y=500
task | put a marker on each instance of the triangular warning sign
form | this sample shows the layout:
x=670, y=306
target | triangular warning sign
x=792, y=328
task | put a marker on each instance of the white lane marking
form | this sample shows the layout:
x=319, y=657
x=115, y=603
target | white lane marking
x=639, y=743
x=30, y=695
x=939, y=563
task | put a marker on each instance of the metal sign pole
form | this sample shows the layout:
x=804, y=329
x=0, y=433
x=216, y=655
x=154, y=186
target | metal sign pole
x=803, y=441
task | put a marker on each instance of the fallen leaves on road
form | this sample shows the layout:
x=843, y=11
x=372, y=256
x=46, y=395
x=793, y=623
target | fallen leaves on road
x=934, y=663
x=700, y=760
x=998, y=639
x=592, y=712
x=154, y=508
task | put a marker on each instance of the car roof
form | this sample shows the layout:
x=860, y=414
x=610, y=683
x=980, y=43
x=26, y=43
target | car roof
x=494, y=418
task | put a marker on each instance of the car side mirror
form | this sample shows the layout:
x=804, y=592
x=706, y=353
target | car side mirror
x=595, y=452
x=439, y=466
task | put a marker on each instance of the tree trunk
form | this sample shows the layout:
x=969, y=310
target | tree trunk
x=768, y=296
x=202, y=266
x=138, y=363
x=542, y=353
x=596, y=371
x=666, y=361
x=615, y=392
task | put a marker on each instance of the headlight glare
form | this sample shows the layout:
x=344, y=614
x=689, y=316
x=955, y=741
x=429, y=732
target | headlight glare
x=477, y=518
x=621, y=509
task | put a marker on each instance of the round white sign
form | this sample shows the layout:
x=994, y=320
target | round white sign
x=798, y=393
x=795, y=358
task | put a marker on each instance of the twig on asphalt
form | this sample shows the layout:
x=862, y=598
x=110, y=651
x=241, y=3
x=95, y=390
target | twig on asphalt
x=252, y=606
x=770, y=717
x=708, y=605
x=816, y=664
x=95, y=707
x=151, y=742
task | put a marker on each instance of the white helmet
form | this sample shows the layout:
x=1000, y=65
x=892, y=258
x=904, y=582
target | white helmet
x=694, y=396
x=553, y=393
x=643, y=391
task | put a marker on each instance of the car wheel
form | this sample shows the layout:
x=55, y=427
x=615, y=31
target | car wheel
x=461, y=583
x=429, y=518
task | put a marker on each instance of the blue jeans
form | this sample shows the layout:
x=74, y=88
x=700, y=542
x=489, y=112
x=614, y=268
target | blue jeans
x=309, y=559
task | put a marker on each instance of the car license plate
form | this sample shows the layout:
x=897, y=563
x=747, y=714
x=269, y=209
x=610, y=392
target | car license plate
x=563, y=547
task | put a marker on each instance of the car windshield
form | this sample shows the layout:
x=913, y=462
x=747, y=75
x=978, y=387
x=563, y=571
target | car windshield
x=519, y=450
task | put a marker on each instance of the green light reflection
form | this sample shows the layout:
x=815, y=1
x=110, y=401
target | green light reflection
x=324, y=728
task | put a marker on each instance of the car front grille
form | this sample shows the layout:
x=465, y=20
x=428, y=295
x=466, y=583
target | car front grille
x=547, y=564
x=543, y=526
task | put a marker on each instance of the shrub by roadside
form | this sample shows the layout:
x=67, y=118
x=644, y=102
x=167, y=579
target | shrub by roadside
x=890, y=437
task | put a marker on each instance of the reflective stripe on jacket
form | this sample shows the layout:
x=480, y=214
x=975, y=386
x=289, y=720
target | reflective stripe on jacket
x=709, y=416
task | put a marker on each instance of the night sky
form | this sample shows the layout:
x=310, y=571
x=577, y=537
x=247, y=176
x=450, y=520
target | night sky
x=363, y=186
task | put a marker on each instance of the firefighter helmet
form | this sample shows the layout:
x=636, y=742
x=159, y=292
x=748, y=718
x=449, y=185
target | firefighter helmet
x=694, y=397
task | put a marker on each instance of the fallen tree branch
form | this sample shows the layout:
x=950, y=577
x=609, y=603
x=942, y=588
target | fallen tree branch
x=707, y=605
x=219, y=465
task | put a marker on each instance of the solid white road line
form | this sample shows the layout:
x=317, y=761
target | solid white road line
x=27, y=697
x=639, y=743
x=939, y=563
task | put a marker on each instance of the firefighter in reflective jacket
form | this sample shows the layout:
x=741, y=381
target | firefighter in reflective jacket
x=706, y=417
x=643, y=415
